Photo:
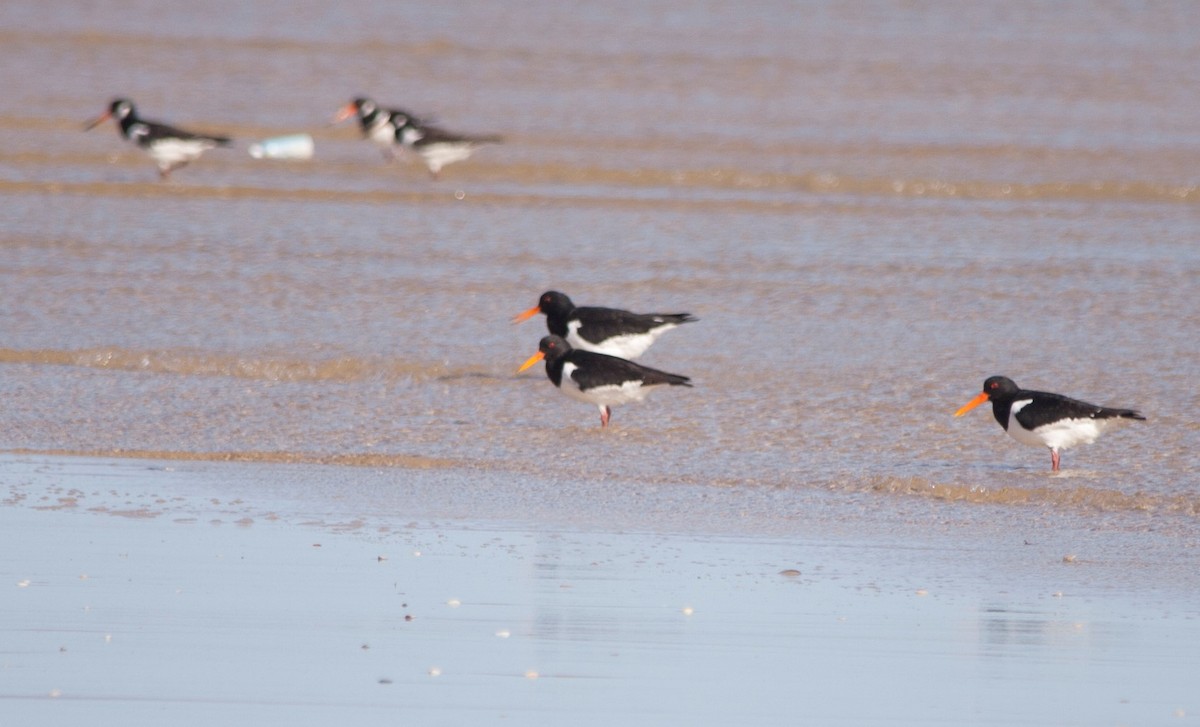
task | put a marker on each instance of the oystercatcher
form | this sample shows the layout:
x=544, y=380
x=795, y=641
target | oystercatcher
x=598, y=379
x=439, y=147
x=380, y=125
x=170, y=148
x=603, y=330
x=1048, y=420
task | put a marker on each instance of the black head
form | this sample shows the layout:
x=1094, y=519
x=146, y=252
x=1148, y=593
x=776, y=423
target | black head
x=995, y=389
x=553, y=347
x=364, y=106
x=550, y=349
x=408, y=127
x=553, y=302
x=998, y=387
x=369, y=113
x=121, y=108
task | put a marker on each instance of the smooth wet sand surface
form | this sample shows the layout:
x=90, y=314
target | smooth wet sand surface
x=298, y=594
x=869, y=208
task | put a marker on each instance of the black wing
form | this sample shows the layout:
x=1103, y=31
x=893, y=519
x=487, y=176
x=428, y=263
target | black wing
x=596, y=369
x=156, y=131
x=1048, y=408
x=435, y=135
x=599, y=324
x=406, y=117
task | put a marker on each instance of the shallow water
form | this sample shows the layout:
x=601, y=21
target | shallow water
x=303, y=594
x=869, y=209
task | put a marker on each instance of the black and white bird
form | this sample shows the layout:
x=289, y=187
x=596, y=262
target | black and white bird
x=595, y=378
x=439, y=147
x=380, y=125
x=603, y=330
x=171, y=148
x=1047, y=420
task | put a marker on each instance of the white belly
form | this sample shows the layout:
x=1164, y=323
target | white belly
x=1059, y=435
x=602, y=395
x=169, y=152
x=437, y=156
x=383, y=134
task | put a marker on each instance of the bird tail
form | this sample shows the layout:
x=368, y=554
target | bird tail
x=1120, y=414
x=675, y=317
x=654, y=376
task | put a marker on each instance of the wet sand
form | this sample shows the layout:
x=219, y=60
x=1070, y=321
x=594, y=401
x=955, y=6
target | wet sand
x=870, y=208
x=252, y=594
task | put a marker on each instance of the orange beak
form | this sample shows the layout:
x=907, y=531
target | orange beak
x=346, y=112
x=972, y=404
x=528, y=314
x=98, y=120
x=532, y=360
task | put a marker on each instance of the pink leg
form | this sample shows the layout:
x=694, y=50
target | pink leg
x=605, y=413
x=1054, y=460
x=165, y=173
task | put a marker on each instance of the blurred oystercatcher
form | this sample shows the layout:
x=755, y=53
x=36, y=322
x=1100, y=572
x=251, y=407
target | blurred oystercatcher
x=170, y=148
x=380, y=125
x=1048, y=420
x=603, y=330
x=439, y=147
x=598, y=379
